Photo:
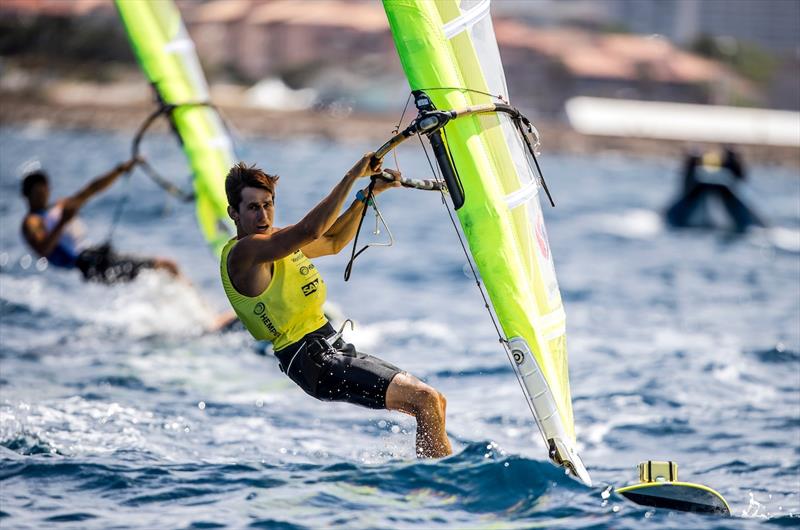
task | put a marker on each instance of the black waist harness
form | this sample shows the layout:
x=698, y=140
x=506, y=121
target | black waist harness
x=330, y=369
x=310, y=343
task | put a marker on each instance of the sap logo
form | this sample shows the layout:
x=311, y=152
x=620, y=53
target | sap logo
x=310, y=287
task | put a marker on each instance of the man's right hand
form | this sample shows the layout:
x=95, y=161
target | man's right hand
x=365, y=167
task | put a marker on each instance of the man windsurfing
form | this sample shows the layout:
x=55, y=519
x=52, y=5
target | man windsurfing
x=54, y=232
x=278, y=294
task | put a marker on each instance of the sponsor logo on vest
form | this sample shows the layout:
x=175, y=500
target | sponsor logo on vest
x=310, y=287
x=260, y=312
x=305, y=269
x=297, y=256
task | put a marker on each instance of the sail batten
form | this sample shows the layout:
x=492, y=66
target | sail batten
x=467, y=20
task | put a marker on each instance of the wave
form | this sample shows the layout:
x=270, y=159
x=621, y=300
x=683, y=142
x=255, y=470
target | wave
x=777, y=354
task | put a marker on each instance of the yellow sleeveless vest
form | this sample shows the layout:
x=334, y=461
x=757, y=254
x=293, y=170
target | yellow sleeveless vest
x=289, y=308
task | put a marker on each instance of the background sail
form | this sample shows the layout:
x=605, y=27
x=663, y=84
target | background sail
x=446, y=45
x=167, y=56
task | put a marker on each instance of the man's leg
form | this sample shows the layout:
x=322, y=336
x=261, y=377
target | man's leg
x=408, y=394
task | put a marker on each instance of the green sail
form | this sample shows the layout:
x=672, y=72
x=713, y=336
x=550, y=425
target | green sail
x=446, y=47
x=166, y=55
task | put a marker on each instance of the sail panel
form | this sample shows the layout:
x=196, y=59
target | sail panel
x=167, y=56
x=509, y=245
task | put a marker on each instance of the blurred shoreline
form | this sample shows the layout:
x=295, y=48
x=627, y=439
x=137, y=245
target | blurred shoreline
x=100, y=107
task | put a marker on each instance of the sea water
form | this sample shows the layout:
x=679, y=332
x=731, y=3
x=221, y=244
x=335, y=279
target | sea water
x=119, y=410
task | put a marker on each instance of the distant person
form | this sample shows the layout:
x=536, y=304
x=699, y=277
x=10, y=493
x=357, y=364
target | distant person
x=54, y=232
x=710, y=196
x=279, y=294
x=712, y=161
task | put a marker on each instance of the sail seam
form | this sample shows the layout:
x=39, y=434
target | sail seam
x=554, y=318
x=178, y=45
x=522, y=195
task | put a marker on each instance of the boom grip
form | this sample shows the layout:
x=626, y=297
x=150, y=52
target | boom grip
x=419, y=184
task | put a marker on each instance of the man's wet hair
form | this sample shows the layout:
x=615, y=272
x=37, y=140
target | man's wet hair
x=31, y=180
x=241, y=176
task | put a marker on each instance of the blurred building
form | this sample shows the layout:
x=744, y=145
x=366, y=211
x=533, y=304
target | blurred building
x=771, y=24
x=545, y=66
x=343, y=50
x=575, y=62
x=264, y=37
x=53, y=8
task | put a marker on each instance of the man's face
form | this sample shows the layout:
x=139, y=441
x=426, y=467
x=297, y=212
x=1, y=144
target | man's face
x=39, y=196
x=256, y=211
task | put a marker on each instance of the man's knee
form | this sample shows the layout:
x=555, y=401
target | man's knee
x=412, y=395
x=426, y=399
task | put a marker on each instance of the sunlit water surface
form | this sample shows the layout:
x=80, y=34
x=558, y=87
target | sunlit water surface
x=118, y=410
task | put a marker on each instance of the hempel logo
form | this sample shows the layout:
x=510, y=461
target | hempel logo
x=259, y=311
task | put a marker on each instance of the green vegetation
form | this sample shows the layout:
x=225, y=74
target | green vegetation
x=747, y=59
x=72, y=39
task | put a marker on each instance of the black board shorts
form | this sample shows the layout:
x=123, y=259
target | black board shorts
x=101, y=264
x=337, y=372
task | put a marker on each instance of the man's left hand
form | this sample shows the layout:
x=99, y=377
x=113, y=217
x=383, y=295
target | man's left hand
x=382, y=185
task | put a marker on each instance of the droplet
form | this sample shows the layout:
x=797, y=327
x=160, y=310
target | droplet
x=201, y=405
x=395, y=429
x=41, y=264
x=25, y=261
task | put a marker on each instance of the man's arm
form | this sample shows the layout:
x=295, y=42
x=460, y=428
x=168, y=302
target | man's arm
x=34, y=229
x=37, y=236
x=344, y=229
x=97, y=185
x=263, y=248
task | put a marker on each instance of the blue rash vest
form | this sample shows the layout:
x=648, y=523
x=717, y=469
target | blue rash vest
x=70, y=244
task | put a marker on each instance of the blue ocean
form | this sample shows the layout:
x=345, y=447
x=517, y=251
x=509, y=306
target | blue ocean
x=120, y=410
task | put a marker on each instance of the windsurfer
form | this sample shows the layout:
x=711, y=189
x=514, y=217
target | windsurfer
x=55, y=233
x=278, y=294
x=710, y=196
